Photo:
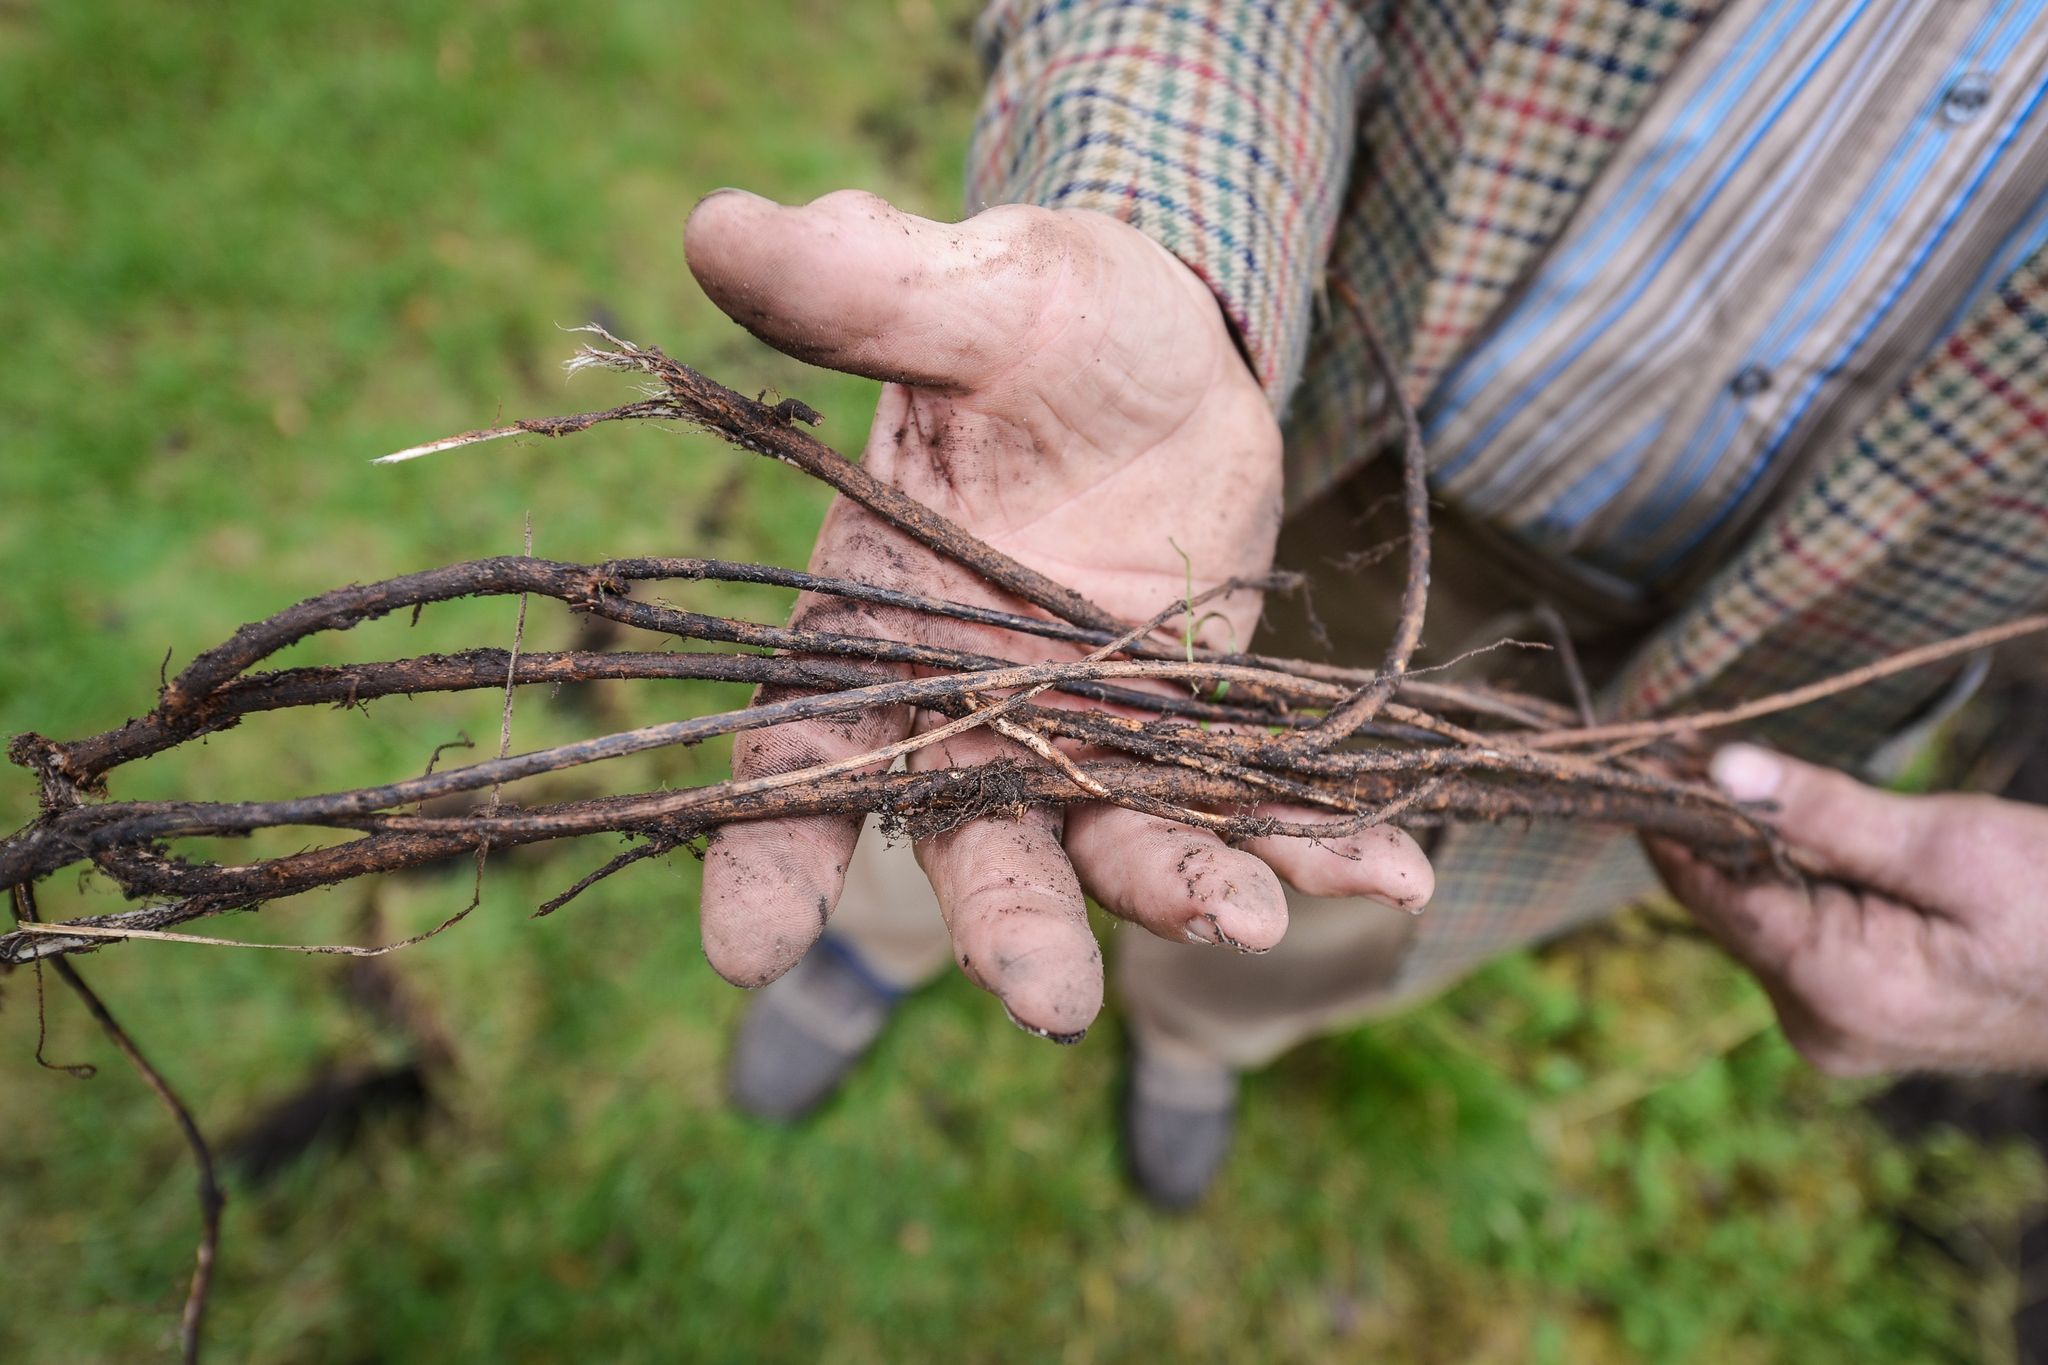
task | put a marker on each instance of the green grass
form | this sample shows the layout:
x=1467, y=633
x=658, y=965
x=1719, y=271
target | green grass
x=247, y=246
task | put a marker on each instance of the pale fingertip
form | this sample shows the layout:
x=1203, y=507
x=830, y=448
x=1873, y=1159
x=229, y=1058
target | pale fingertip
x=1747, y=772
x=765, y=899
x=1249, y=914
x=1055, y=1004
x=746, y=964
x=1059, y=1012
x=1382, y=864
x=1047, y=974
x=1395, y=873
x=1180, y=884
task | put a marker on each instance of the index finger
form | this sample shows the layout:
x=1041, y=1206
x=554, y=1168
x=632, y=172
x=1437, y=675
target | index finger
x=771, y=885
x=1014, y=906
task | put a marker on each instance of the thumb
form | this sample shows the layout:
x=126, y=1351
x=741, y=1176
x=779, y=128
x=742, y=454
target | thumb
x=851, y=283
x=1856, y=833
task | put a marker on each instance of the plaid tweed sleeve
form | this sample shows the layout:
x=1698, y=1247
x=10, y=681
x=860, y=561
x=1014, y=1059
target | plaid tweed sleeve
x=1222, y=130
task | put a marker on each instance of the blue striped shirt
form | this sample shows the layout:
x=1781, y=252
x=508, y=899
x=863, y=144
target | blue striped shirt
x=1818, y=195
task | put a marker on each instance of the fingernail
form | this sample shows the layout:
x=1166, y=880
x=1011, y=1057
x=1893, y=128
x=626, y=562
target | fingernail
x=1214, y=932
x=727, y=192
x=1223, y=936
x=1747, y=773
x=1063, y=1039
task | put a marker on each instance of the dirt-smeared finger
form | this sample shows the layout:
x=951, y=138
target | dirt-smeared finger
x=1014, y=906
x=770, y=885
x=1381, y=864
x=852, y=283
x=1181, y=883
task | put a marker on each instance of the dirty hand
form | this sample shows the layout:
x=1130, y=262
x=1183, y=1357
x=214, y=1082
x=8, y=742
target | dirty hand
x=1925, y=947
x=1068, y=391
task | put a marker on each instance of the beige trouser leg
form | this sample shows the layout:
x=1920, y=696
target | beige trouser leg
x=1341, y=960
x=888, y=914
x=1335, y=963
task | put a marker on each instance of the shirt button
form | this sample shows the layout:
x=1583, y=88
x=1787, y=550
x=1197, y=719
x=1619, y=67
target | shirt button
x=1966, y=99
x=1749, y=381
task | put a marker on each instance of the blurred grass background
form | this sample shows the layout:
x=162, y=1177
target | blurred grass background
x=246, y=246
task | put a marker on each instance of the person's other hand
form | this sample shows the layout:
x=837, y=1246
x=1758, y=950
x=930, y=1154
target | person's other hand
x=1068, y=391
x=1924, y=946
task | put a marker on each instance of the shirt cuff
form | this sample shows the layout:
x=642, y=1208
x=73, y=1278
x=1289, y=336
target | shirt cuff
x=1222, y=131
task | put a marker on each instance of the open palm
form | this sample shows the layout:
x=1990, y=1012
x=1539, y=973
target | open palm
x=1067, y=391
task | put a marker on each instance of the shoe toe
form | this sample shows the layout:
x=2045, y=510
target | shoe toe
x=1178, y=1126
x=804, y=1034
x=1175, y=1154
x=779, y=1072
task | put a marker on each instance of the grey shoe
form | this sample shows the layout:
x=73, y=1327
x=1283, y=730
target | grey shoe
x=804, y=1033
x=1178, y=1121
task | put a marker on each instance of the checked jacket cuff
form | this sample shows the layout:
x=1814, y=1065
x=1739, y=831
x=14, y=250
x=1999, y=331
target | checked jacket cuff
x=1221, y=130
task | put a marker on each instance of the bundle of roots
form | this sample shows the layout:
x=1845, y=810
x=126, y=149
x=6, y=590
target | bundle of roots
x=1238, y=733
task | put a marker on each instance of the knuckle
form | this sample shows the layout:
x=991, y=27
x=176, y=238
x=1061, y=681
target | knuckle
x=1838, y=1004
x=1888, y=1013
x=1835, y=1009
x=1901, y=1008
x=1841, y=1033
x=1823, y=1047
x=852, y=202
x=1962, y=812
x=1837, y=1060
x=1978, y=839
x=1012, y=216
x=795, y=746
